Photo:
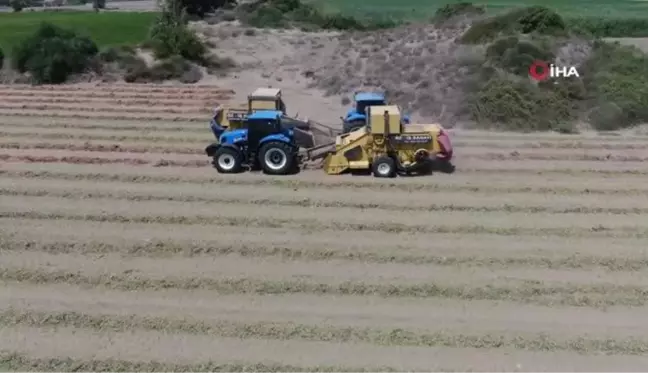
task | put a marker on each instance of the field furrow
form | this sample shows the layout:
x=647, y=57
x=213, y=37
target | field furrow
x=121, y=248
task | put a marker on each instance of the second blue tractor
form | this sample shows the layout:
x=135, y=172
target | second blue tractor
x=356, y=117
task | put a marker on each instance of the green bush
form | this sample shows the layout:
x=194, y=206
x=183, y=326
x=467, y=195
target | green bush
x=518, y=105
x=18, y=5
x=52, y=53
x=170, y=36
x=534, y=19
x=607, y=117
x=175, y=67
x=609, y=28
x=515, y=56
x=453, y=10
x=1, y=58
x=294, y=13
x=618, y=74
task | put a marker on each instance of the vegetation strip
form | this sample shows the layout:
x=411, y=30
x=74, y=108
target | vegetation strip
x=161, y=248
x=291, y=183
x=12, y=361
x=310, y=203
x=530, y=292
x=312, y=225
x=324, y=333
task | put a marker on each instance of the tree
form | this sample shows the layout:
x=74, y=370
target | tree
x=201, y=7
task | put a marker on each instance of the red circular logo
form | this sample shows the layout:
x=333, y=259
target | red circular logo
x=539, y=70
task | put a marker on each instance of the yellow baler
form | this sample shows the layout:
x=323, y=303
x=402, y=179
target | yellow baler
x=388, y=147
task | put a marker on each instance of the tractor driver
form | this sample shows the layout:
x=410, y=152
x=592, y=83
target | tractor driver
x=216, y=128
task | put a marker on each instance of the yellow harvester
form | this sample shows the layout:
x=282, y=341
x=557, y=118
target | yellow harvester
x=387, y=147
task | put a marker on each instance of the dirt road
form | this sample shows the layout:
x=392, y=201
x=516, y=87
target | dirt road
x=121, y=249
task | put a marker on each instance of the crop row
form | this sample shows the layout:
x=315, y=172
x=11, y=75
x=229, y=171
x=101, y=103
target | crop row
x=315, y=203
x=316, y=225
x=209, y=179
x=107, y=109
x=112, y=101
x=293, y=331
x=169, y=162
x=152, y=145
x=19, y=363
x=187, y=89
x=531, y=292
x=113, y=95
x=102, y=115
x=166, y=248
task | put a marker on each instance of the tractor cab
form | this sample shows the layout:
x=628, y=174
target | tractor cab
x=234, y=117
x=266, y=99
x=356, y=117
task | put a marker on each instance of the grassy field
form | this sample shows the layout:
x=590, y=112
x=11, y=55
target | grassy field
x=417, y=9
x=106, y=29
x=122, y=249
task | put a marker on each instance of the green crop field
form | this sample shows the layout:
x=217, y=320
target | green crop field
x=413, y=9
x=106, y=29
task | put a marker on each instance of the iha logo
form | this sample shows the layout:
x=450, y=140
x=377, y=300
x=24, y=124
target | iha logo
x=541, y=70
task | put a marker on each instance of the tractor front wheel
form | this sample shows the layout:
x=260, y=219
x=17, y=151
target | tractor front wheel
x=384, y=167
x=277, y=158
x=228, y=160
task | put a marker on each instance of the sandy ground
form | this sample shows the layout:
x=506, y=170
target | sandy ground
x=531, y=257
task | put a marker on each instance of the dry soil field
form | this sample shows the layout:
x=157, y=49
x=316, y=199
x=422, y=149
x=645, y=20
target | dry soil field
x=121, y=249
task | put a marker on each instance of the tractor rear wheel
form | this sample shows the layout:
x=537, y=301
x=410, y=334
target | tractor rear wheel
x=384, y=167
x=228, y=160
x=277, y=158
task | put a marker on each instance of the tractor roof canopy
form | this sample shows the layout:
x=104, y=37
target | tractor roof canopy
x=265, y=115
x=369, y=96
x=272, y=93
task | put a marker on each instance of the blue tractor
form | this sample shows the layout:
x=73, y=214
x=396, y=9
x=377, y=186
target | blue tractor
x=356, y=117
x=264, y=144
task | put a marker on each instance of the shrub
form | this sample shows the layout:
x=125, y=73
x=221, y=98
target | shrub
x=534, y=19
x=1, y=59
x=513, y=104
x=618, y=74
x=175, y=67
x=516, y=56
x=289, y=13
x=200, y=8
x=18, y=5
x=52, y=53
x=170, y=36
x=453, y=10
x=609, y=28
x=607, y=117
